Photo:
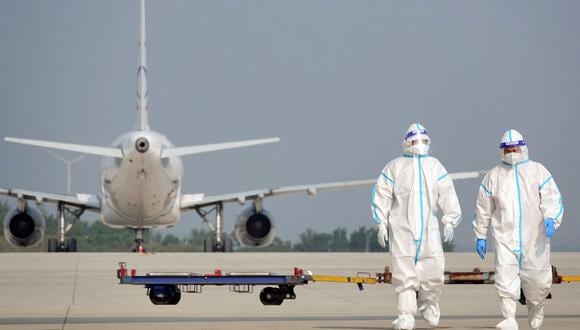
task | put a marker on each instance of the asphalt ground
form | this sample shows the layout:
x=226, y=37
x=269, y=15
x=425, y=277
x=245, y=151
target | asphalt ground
x=81, y=291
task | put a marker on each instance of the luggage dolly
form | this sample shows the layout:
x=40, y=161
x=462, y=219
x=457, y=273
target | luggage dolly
x=166, y=288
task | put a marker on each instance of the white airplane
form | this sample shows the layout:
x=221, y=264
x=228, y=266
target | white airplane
x=141, y=187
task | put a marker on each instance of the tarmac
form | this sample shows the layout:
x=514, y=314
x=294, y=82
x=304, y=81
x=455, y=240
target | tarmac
x=81, y=291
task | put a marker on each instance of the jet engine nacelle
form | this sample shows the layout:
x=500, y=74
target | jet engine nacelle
x=24, y=228
x=255, y=228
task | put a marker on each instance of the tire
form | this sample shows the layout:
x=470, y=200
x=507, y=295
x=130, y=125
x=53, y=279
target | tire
x=52, y=245
x=208, y=245
x=162, y=294
x=271, y=296
x=228, y=245
x=176, y=298
x=71, y=245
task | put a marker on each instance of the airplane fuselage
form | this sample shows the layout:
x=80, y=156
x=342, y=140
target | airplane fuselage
x=142, y=189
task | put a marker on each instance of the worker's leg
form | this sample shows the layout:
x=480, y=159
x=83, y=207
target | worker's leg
x=405, y=282
x=507, y=283
x=536, y=286
x=430, y=271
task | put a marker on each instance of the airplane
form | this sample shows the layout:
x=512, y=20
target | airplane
x=140, y=187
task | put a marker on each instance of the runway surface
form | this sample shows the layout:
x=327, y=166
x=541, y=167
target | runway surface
x=80, y=291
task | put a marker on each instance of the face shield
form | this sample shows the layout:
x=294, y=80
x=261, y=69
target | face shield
x=417, y=142
x=513, y=152
x=420, y=141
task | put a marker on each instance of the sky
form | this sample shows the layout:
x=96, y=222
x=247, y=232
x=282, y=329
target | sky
x=338, y=81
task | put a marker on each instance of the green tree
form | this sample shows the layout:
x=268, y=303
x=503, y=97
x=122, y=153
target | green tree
x=360, y=240
x=339, y=241
x=194, y=242
x=104, y=238
x=311, y=241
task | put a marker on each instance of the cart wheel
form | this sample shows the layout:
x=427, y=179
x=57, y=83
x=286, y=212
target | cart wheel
x=52, y=245
x=271, y=296
x=164, y=295
x=71, y=245
x=176, y=298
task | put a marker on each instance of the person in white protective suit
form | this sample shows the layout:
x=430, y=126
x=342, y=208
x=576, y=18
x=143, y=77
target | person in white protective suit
x=521, y=203
x=405, y=199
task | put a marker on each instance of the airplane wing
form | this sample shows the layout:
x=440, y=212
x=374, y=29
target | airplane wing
x=189, y=202
x=85, y=201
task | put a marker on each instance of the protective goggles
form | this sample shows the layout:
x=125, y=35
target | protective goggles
x=512, y=144
x=420, y=141
x=413, y=133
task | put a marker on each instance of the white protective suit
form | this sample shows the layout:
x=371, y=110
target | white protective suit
x=515, y=199
x=406, y=197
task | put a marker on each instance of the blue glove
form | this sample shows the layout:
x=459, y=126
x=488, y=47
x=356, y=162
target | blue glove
x=480, y=248
x=550, y=227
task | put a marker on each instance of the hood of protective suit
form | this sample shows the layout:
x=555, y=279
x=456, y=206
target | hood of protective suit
x=509, y=139
x=412, y=143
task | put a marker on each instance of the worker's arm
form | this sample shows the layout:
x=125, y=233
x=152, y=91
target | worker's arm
x=550, y=198
x=382, y=195
x=448, y=201
x=484, y=208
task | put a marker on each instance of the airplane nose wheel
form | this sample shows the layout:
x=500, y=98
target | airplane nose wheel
x=139, y=240
x=139, y=246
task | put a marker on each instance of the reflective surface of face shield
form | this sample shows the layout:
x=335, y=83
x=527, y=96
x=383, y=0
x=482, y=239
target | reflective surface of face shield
x=419, y=146
x=511, y=152
x=420, y=141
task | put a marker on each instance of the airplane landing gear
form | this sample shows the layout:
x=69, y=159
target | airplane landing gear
x=220, y=243
x=210, y=245
x=139, y=240
x=55, y=246
x=62, y=244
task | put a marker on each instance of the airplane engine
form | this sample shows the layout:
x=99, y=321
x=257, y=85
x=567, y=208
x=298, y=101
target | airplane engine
x=24, y=228
x=255, y=228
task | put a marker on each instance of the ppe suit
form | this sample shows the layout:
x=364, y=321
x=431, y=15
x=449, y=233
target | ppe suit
x=406, y=197
x=514, y=199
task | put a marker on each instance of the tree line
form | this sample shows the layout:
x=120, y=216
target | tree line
x=97, y=237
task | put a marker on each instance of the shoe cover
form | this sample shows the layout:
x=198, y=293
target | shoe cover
x=535, y=316
x=431, y=314
x=507, y=324
x=404, y=322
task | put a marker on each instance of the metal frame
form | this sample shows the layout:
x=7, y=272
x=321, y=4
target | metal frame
x=218, y=228
x=271, y=295
x=64, y=226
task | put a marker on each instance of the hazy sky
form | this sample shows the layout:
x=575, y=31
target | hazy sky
x=338, y=81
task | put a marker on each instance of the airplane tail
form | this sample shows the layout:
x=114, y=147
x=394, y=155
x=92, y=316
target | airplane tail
x=142, y=105
x=142, y=118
